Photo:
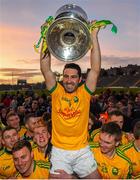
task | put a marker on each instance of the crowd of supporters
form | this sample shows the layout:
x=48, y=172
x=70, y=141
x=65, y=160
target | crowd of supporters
x=25, y=129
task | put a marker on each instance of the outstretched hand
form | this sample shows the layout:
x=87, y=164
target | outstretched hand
x=95, y=31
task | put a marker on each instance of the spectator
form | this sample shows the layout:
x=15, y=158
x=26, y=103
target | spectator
x=21, y=111
x=114, y=116
x=13, y=120
x=132, y=150
x=95, y=108
x=136, y=108
x=9, y=138
x=31, y=121
x=6, y=100
x=13, y=104
x=3, y=114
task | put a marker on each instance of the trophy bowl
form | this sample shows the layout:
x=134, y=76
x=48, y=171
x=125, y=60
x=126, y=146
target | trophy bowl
x=68, y=37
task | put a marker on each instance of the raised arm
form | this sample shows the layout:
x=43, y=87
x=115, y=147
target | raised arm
x=45, y=67
x=95, y=61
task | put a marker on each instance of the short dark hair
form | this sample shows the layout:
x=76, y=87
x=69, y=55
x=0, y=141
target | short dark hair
x=112, y=129
x=116, y=113
x=28, y=116
x=7, y=128
x=20, y=144
x=136, y=130
x=46, y=116
x=73, y=66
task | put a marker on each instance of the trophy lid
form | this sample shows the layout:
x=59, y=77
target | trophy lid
x=71, y=9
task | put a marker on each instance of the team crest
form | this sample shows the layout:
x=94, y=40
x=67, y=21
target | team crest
x=104, y=169
x=115, y=171
x=75, y=99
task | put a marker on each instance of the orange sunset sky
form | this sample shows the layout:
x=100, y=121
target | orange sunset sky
x=20, y=23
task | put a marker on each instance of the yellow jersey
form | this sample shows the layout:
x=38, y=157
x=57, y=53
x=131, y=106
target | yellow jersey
x=95, y=136
x=116, y=167
x=70, y=114
x=22, y=131
x=40, y=155
x=40, y=171
x=7, y=168
x=134, y=155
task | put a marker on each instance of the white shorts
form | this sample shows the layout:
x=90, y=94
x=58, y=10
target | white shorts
x=80, y=161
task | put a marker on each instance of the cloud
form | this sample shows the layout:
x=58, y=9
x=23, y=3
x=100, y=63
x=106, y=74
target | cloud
x=112, y=61
x=107, y=62
x=17, y=42
x=16, y=70
x=28, y=61
x=19, y=73
x=34, y=74
x=5, y=81
x=11, y=75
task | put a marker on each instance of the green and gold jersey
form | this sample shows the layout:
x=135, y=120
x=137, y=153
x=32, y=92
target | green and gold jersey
x=22, y=131
x=116, y=167
x=134, y=155
x=39, y=155
x=94, y=136
x=7, y=168
x=40, y=171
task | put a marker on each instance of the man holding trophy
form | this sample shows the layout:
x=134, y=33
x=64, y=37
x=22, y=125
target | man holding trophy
x=71, y=101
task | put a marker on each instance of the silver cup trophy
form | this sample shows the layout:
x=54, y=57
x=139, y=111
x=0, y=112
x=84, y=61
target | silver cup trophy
x=68, y=37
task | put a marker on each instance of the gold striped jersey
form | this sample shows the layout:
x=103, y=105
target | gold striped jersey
x=40, y=155
x=7, y=168
x=22, y=131
x=40, y=171
x=134, y=155
x=116, y=167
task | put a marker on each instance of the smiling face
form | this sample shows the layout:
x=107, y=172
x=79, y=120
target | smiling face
x=107, y=143
x=41, y=136
x=23, y=160
x=10, y=137
x=71, y=80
